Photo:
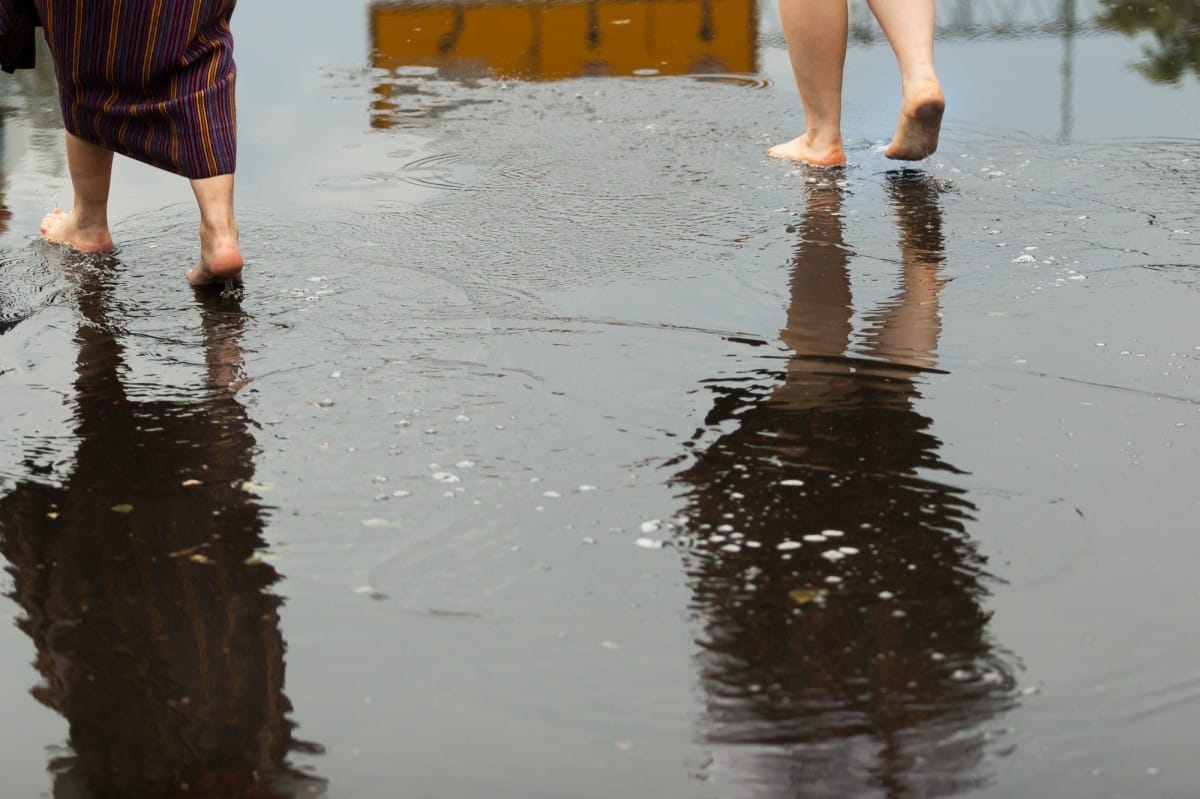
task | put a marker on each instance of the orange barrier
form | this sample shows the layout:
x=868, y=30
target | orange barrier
x=556, y=40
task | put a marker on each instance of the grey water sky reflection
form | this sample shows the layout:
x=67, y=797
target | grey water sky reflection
x=838, y=596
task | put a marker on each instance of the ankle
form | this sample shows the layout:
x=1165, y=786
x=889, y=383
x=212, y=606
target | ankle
x=824, y=142
x=89, y=218
x=921, y=84
x=224, y=231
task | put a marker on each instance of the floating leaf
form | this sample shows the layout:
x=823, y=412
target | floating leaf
x=124, y=507
x=803, y=596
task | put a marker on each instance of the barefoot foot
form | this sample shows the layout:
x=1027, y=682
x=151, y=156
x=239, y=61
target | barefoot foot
x=60, y=227
x=805, y=150
x=920, y=123
x=220, y=261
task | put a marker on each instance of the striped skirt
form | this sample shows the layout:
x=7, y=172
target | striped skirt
x=150, y=79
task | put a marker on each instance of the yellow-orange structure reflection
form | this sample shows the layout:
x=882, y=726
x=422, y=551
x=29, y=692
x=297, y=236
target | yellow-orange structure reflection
x=556, y=40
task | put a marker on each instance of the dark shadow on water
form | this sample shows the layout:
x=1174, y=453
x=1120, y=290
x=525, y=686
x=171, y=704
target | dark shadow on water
x=154, y=620
x=843, y=642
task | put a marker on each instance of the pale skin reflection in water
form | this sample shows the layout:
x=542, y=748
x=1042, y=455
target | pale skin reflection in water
x=155, y=625
x=839, y=601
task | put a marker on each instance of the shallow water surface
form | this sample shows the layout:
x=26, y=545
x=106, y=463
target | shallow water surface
x=564, y=444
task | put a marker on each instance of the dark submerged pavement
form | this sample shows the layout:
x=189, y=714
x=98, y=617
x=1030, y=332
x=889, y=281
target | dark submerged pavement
x=562, y=443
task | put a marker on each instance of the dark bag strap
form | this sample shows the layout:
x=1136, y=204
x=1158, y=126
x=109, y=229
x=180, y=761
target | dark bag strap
x=17, y=47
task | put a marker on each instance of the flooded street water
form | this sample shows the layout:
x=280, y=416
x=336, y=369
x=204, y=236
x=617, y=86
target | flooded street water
x=563, y=444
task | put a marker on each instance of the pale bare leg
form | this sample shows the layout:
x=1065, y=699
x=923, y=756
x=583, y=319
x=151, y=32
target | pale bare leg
x=86, y=227
x=909, y=25
x=220, y=256
x=816, y=32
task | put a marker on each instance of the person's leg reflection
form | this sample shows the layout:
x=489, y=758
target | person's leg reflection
x=820, y=310
x=906, y=331
x=156, y=627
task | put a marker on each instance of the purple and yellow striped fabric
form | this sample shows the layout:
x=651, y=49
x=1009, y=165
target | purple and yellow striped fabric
x=150, y=79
